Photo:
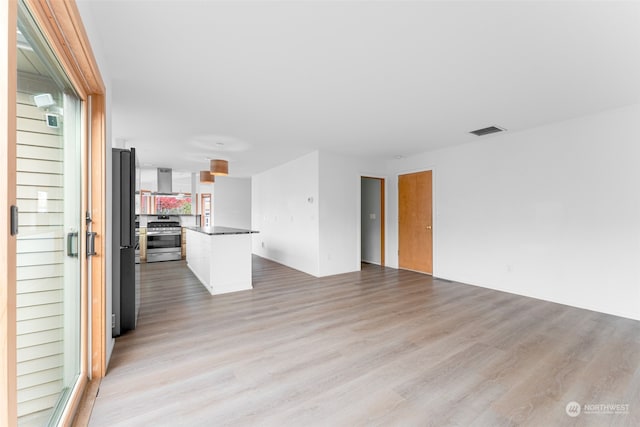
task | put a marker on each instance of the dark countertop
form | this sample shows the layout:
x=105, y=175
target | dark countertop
x=215, y=231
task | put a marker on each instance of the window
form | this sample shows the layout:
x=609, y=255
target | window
x=179, y=204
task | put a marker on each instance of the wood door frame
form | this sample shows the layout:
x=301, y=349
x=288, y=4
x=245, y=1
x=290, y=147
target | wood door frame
x=433, y=210
x=62, y=27
x=383, y=202
x=8, y=95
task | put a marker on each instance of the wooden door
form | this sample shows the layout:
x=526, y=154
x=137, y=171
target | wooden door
x=415, y=222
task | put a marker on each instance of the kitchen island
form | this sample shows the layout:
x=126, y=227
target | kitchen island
x=220, y=257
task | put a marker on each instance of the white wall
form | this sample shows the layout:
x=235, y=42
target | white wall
x=231, y=201
x=370, y=220
x=552, y=213
x=285, y=212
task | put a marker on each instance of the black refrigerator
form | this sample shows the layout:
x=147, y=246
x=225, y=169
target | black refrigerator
x=126, y=296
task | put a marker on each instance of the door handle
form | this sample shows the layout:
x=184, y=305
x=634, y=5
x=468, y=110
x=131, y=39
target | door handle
x=14, y=220
x=91, y=243
x=428, y=227
x=72, y=244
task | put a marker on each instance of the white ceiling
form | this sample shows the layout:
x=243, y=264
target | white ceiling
x=272, y=80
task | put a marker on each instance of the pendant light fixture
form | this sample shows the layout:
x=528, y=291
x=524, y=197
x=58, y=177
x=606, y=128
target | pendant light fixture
x=219, y=167
x=206, y=177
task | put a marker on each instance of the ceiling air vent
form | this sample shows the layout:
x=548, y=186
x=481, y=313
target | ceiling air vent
x=487, y=131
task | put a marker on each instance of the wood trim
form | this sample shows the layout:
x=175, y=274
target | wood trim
x=47, y=22
x=145, y=209
x=69, y=413
x=8, y=86
x=84, y=265
x=83, y=414
x=62, y=26
x=99, y=215
x=78, y=49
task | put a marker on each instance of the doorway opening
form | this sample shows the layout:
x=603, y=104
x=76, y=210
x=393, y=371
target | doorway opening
x=372, y=219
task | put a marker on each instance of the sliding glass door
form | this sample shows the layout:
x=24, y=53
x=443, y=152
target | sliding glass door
x=48, y=253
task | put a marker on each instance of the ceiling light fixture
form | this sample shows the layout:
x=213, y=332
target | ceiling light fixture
x=206, y=177
x=219, y=167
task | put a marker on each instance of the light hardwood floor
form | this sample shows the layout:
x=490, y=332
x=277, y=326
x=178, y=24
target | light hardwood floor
x=377, y=347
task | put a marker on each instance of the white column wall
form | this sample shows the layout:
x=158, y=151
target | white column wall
x=231, y=202
x=308, y=212
x=340, y=207
x=285, y=212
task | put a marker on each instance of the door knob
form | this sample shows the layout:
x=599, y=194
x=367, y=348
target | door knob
x=428, y=227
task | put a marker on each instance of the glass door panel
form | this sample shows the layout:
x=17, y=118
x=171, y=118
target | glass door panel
x=48, y=258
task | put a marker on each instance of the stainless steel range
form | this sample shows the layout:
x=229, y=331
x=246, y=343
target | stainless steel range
x=164, y=240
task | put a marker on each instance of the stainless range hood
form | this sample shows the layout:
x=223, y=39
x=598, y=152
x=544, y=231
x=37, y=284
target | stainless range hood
x=165, y=180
